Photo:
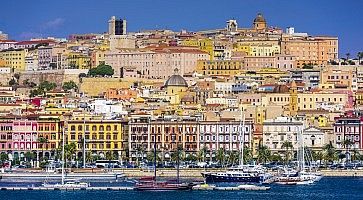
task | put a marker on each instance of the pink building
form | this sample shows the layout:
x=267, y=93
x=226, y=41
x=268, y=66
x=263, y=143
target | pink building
x=24, y=136
x=156, y=63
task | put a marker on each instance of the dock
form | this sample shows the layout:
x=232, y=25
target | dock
x=253, y=188
x=67, y=189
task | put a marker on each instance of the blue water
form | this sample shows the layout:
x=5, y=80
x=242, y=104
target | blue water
x=328, y=188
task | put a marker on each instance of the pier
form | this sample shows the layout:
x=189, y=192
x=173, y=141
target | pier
x=67, y=189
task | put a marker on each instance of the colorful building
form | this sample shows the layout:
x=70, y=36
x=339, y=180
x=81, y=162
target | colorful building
x=15, y=59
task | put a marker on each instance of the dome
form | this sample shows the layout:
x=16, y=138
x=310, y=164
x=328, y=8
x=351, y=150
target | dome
x=281, y=89
x=176, y=80
x=259, y=18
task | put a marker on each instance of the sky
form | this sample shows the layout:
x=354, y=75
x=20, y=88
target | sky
x=24, y=19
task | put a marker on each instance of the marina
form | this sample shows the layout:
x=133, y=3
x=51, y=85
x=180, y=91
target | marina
x=328, y=188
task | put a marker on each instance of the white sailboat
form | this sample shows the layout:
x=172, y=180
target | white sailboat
x=300, y=177
x=69, y=183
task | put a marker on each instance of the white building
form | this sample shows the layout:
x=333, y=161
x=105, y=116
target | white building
x=107, y=108
x=277, y=131
x=314, y=138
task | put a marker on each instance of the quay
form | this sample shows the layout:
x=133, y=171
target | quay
x=67, y=189
x=122, y=188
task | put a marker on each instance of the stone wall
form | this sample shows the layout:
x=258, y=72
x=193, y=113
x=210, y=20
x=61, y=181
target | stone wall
x=97, y=86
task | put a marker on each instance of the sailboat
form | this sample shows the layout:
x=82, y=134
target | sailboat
x=69, y=183
x=242, y=173
x=299, y=177
x=152, y=184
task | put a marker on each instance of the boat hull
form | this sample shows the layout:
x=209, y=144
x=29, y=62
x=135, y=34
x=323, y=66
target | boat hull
x=212, y=178
x=45, y=176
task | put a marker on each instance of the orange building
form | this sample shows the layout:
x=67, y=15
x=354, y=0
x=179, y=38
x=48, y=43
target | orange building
x=317, y=50
x=121, y=94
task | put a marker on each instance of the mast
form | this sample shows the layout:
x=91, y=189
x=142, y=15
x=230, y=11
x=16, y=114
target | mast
x=63, y=138
x=84, y=140
x=154, y=153
x=303, y=148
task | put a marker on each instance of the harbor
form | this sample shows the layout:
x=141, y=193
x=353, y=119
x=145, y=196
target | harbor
x=333, y=188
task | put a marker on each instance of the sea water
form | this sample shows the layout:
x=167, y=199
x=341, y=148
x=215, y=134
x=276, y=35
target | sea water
x=329, y=188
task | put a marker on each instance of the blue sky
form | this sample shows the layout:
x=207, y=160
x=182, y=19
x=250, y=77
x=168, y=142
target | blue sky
x=23, y=19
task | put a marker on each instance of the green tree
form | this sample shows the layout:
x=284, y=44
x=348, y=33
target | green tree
x=202, y=153
x=4, y=157
x=329, y=153
x=101, y=70
x=12, y=82
x=276, y=157
x=359, y=56
x=347, y=56
x=263, y=154
x=139, y=151
x=69, y=151
x=150, y=156
x=47, y=86
x=287, y=145
x=69, y=86
x=347, y=144
x=221, y=156
x=29, y=156
x=178, y=154
x=247, y=154
x=233, y=157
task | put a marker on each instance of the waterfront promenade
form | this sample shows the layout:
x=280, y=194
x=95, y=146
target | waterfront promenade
x=183, y=173
x=188, y=173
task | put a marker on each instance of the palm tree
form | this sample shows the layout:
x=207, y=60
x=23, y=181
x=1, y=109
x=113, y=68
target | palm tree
x=233, y=157
x=202, y=154
x=89, y=157
x=359, y=56
x=329, y=153
x=347, y=56
x=29, y=156
x=69, y=151
x=247, y=155
x=42, y=141
x=221, y=156
x=347, y=143
x=263, y=154
x=287, y=145
x=139, y=150
x=318, y=155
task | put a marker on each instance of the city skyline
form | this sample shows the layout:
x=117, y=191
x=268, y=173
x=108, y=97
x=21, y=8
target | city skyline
x=143, y=15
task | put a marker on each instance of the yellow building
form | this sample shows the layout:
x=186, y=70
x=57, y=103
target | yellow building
x=98, y=58
x=49, y=127
x=15, y=59
x=219, y=67
x=102, y=136
x=206, y=45
x=242, y=47
x=79, y=61
x=264, y=50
